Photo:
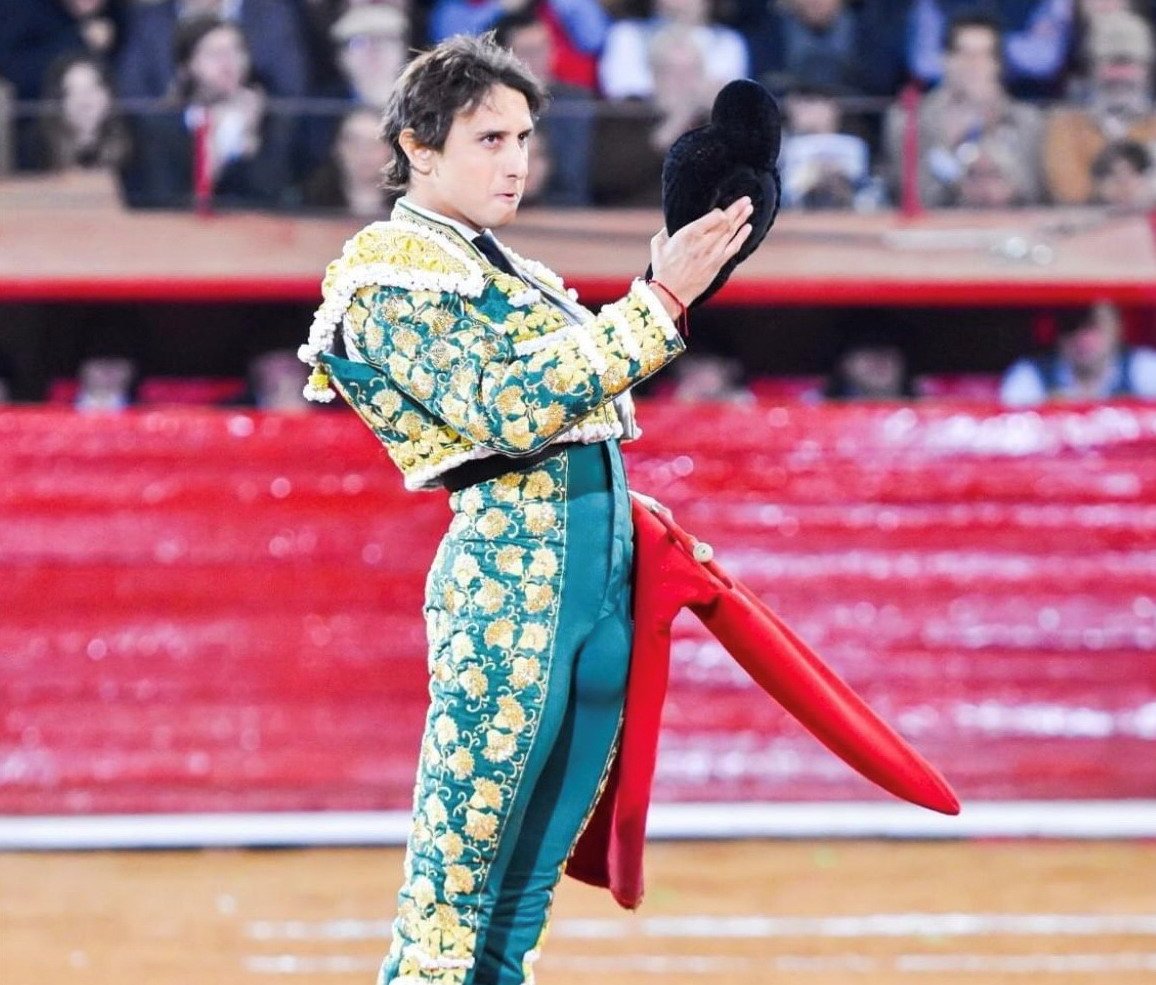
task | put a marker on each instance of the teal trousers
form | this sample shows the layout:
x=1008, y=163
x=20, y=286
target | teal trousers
x=528, y=616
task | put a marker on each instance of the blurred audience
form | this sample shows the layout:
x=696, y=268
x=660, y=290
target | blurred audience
x=106, y=383
x=82, y=128
x=624, y=71
x=632, y=139
x=564, y=130
x=276, y=382
x=1035, y=39
x=821, y=167
x=994, y=176
x=967, y=109
x=1124, y=177
x=35, y=33
x=1118, y=106
x=703, y=377
x=1088, y=362
x=351, y=180
x=8, y=384
x=833, y=43
x=871, y=364
x=370, y=49
x=577, y=28
x=272, y=30
x=246, y=149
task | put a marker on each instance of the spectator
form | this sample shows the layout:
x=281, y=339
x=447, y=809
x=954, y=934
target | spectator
x=1035, y=37
x=106, y=383
x=276, y=381
x=831, y=43
x=704, y=377
x=271, y=28
x=565, y=128
x=632, y=142
x=577, y=27
x=35, y=33
x=871, y=364
x=1124, y=177
x=1089, y=362
x=246, y=147
x=624, y=70
x=540, y=171
x=1118, y=107
x=968, y=107
x=351, y=179
x=821, y=167
x=82, y=129
x=371, y=48
x=994, y=177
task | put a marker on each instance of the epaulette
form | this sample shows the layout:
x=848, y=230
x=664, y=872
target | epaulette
x=392, y=253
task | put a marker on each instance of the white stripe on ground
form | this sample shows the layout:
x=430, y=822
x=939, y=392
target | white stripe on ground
x=981, y=819
x=872, y=925
x=705, y=964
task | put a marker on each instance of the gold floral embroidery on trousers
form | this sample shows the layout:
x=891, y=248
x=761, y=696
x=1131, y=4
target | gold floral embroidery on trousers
x=492, y=599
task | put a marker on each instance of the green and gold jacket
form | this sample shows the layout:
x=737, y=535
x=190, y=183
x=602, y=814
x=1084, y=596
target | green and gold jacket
x=451, y=359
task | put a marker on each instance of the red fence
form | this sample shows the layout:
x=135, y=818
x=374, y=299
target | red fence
x=210, y=610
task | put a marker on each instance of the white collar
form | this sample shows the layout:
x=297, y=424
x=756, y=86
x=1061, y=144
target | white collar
x=467, y=232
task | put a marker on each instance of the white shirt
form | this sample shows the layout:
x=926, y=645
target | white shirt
x=624, y=68
x=1024, y=386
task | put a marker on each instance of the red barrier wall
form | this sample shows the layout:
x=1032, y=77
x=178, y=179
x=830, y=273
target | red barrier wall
x=212, y=610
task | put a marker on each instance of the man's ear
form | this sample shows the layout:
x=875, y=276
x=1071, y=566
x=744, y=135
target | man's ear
x=419, y=156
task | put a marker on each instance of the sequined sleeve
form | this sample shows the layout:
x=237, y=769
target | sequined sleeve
x=464, y=366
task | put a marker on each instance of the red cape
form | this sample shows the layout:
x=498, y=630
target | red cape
x=673, y=571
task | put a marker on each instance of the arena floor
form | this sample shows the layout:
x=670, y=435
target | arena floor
x=789, y=913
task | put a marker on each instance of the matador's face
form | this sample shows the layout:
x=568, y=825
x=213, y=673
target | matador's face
x=478, y=176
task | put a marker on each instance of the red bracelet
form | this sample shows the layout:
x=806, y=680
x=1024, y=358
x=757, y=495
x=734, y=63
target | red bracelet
x=681, y=322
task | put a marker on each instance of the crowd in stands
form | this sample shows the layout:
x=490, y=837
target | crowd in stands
x=272, y=103
x=261, y=104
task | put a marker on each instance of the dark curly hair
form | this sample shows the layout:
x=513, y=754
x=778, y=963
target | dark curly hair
x=442, y=82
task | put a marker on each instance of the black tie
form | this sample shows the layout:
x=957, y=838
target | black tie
x=490, y=249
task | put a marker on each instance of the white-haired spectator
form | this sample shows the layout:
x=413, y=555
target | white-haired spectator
x=624, y=70
x=1118, y=106
x=633, y=137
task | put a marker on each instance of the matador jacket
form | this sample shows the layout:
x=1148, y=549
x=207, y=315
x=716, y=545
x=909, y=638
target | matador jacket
x=451, y=359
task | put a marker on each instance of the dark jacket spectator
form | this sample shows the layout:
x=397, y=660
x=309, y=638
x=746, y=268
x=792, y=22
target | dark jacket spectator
x=829, y=43
x=272, y=30
x=1036, y=39
x=246, y=147
x=565, y=129
x=35, y=33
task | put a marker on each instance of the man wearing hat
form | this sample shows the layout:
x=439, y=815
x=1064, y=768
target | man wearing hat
x=1119, y=107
